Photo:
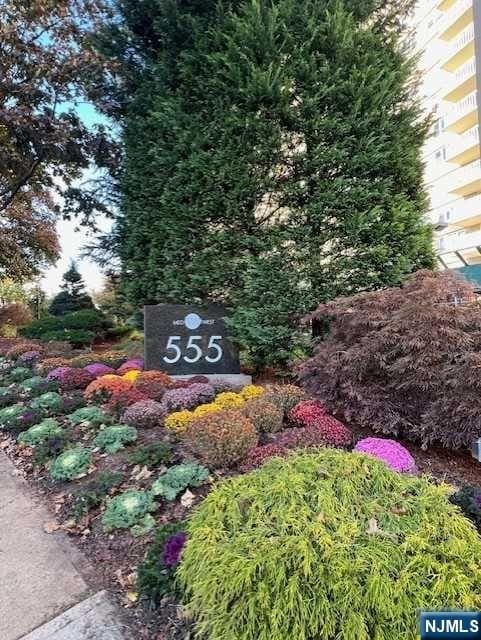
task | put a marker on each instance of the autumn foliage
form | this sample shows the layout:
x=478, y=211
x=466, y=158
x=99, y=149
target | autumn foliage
x=404, y=361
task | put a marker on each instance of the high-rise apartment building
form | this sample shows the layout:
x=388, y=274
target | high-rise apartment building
x=448, y=37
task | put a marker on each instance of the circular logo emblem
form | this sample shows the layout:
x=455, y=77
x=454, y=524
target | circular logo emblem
x=192, y=321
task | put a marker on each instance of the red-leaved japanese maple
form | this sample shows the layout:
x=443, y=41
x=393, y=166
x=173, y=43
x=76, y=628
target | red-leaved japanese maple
x=404, y=361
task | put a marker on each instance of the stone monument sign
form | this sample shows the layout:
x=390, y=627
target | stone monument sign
x=184, y=340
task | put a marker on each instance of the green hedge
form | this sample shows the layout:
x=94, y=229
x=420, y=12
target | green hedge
x=80, y=327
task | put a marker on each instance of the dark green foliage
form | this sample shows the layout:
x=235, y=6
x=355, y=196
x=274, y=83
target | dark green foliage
x=272, y=159
x=92, y=494
x=6, y=396
x=78, y=328
x=468, y=499
x=77, y=337
x=50, y=448
x=155, y=580
x=72, y=296
x=152, y=455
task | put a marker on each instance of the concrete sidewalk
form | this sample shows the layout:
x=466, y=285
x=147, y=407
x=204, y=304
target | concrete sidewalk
x=40, y=575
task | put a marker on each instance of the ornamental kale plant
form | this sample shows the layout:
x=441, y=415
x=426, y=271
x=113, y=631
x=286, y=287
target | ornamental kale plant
x=10, y=413
x=130, y=510
x=50, y=402
x=188, y=397
x=6, y=396
x=468, y=499
x=156, y=578
x=95, y=416
x=145, y=414
x=40, y=432
x=92, y=494
x=71, y=464
x=22, y=421
x=178, y=478
x=49, y=448
x=390, y=452
x=173, y=549
x=114, y=438
x=31, y=384
x=18, y=374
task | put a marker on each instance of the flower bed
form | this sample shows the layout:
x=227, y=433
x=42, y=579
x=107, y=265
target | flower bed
x=131, y=455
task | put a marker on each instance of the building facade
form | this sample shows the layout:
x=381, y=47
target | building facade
x=448, y=39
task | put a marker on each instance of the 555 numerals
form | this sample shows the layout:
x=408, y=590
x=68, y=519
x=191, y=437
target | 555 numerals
x=192, y=351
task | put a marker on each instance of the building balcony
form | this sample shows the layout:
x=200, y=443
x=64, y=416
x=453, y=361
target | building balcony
x=444, y=5
x=459, y=242
x=466, y=180
x=466, y=149
x=461, y=50
x=462, y=82
x=464, y=114
x=457, y=18
x=462, y=212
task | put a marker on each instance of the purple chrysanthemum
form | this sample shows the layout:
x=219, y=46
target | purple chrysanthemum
x=98, y=369
x=393, y=454
x=57, y=373
x=29, y=357
x=173, y=549
x=188, y=398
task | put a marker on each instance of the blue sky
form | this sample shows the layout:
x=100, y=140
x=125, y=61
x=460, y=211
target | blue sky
x=72, y=238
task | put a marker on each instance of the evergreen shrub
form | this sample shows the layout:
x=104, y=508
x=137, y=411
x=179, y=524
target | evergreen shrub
x=323, y=546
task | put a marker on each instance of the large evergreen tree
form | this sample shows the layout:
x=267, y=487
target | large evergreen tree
x=273, y=158
x=72, y=296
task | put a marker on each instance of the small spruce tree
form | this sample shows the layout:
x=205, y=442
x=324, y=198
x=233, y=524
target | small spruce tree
x=72, y=296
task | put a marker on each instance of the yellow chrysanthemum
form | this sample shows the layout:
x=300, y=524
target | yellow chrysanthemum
x=229, y=400
x=251, y=391
x=131, y=376
x=178, y=421
x=203, y=409
x=110, y=376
